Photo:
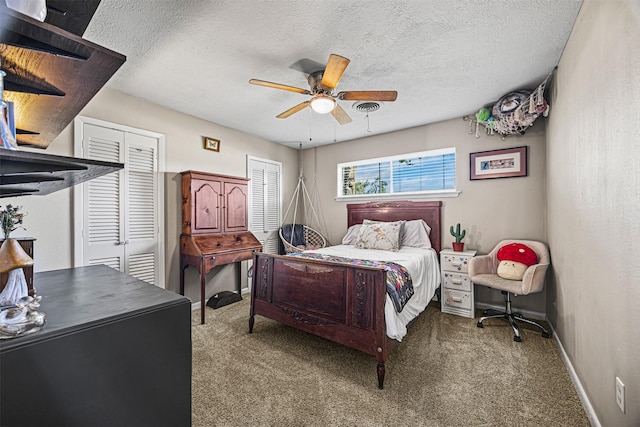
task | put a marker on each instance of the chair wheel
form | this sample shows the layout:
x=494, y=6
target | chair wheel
x=479, y=324
x=517, y=338
x=546, y=335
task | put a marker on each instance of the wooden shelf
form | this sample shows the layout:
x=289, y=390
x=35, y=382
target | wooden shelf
x=71, y=15
x=23, y=173
x=51, y=73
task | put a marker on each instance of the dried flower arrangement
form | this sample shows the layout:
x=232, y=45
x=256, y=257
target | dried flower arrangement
x=10, y=219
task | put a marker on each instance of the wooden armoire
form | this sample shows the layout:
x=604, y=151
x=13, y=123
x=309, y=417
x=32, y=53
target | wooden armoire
x=215, y=226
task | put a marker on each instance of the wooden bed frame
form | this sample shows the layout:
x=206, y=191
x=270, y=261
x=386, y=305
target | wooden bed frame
x=338, y=302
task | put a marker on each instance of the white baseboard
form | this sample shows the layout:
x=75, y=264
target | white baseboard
x=586, y=404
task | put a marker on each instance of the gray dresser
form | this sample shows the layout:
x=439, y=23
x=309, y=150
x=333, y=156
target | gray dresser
x=114, y=351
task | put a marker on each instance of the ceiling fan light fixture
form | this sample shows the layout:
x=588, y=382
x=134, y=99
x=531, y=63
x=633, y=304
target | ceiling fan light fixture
x=322, y=104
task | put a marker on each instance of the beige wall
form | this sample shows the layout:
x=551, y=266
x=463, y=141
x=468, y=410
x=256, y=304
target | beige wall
x=490, y=210
x=593, y=205
x=50, y=218
x=584, y=202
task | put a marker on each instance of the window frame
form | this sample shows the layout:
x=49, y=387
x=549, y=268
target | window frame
x=453, y=192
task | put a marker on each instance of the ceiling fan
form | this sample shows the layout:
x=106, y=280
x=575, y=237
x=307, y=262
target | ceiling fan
x=322, y=84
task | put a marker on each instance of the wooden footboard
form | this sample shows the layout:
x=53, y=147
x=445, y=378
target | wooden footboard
x=338, y=302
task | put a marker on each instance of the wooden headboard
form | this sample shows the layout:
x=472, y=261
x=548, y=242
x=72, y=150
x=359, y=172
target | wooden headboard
x=395, y=211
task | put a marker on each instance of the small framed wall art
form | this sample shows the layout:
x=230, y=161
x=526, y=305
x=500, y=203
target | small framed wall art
x=504, y=163
x=211, y=144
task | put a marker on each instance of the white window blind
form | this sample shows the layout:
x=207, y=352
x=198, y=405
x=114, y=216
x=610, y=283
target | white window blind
x=423, y=172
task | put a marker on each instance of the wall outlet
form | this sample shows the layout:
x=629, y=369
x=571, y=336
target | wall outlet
x=620, y=394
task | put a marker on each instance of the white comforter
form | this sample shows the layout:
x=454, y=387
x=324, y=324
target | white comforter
x=423, y=266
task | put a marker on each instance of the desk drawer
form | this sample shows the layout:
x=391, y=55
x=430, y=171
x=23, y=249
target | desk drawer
x=458, y=299
x=457, y=281
x=455, y=263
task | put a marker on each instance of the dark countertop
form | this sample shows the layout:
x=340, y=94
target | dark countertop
x=76, y=299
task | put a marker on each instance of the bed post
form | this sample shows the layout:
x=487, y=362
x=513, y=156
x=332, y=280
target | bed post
x=253, y=290
x=380, y=325
x=380, y=375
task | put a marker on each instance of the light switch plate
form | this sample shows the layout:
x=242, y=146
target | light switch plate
x=620, y=394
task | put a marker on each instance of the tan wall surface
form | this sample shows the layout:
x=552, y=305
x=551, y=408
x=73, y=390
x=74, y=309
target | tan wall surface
x=581, y=195
x=50, y=218
x=490, y=210
x=593, y=189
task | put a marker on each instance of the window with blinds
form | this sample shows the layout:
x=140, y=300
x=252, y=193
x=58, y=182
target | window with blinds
x=425, y=172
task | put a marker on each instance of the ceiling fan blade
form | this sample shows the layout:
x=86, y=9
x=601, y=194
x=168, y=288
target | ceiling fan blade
x=368, y=95
x=341, y=116
x=293, y=110
x=279, y=86
x=307, y=66
x=334, y=70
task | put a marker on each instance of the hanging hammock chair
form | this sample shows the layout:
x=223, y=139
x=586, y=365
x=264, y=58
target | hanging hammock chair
x=297, y=237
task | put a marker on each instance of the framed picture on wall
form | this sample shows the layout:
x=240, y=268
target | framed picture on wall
x=212, y=144
x=504, y=163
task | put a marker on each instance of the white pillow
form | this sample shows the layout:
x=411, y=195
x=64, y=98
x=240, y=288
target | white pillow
x=352, y=235
x=380, y=235
x=416, y=234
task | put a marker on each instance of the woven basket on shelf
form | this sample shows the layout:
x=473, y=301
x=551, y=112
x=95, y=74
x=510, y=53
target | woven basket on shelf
x=313, y=240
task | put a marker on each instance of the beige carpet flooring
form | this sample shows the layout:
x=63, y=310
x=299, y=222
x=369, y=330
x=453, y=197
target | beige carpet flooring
x=446, y=372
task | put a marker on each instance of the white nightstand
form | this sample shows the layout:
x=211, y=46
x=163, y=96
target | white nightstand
x=457, y=290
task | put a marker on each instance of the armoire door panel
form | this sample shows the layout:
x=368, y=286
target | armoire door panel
x=207, y=206
x=235, y=207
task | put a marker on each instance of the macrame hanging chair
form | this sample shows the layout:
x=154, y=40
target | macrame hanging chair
x=295, y=236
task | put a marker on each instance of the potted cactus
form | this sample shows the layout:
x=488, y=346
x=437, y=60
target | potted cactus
x=458, y=246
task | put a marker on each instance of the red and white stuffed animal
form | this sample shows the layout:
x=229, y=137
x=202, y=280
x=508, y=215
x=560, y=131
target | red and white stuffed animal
x=514, y=259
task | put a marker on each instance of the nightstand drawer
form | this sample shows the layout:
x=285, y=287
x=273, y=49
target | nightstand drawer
x=457, y=281
x=455, y=263
x=458, y=299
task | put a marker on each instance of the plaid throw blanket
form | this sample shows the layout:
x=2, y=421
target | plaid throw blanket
x=399, y=283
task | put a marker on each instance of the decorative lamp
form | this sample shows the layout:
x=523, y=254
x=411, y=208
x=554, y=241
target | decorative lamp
x=18, y=315
x=12, y=259
x=12, y=256
x=322, y=104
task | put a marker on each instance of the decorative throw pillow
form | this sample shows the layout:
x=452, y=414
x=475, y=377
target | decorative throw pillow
x=514, y=259
x=402, y=226
x=415, y=233
x=380, y=235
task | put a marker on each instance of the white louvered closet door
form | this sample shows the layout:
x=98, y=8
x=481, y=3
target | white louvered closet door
x=141, y=219
x=266, y=203
x=120, y=217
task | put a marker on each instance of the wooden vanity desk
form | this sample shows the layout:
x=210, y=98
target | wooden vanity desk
x=214, y=226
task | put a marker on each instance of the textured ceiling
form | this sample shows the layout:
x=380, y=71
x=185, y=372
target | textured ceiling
x=446, y=58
